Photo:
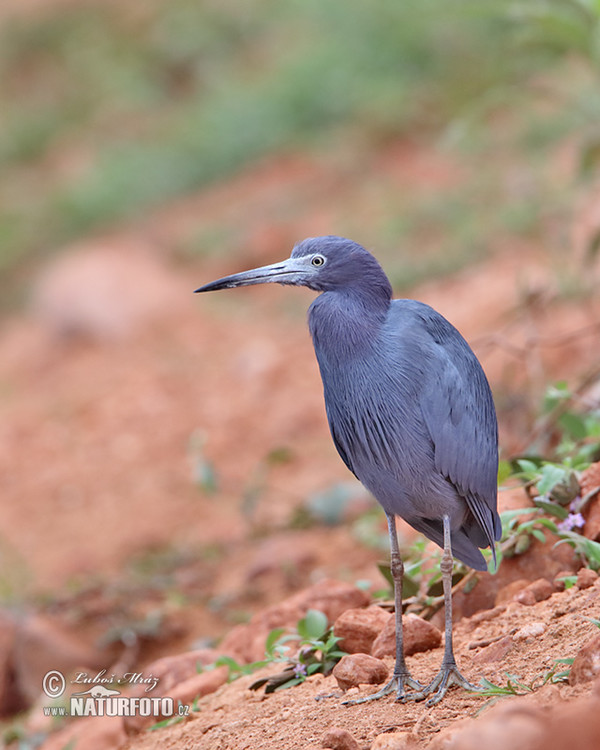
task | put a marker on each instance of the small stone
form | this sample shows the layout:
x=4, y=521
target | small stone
x=359, y=669
x=586, y=577
x=488, y=614
x=586, y=665
x=559, y=584
x=494, y=652
x=537, y=591
x=358, y=628
x=394, y=741
x=508, y=592
x=339, y=739
x=525, y=597
x=419, y=635
x=531, y=630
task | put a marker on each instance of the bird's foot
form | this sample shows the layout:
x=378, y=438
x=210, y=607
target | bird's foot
x=445, y=678
x=397, y=684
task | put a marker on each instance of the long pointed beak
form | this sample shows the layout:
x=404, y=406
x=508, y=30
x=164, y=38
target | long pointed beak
x=290, y=271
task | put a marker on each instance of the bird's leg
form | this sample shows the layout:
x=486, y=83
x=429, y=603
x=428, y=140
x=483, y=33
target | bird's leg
x=448, y=674
x=401, y=678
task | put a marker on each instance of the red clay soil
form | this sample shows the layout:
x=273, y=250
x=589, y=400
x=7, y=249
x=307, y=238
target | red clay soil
x=101, y=419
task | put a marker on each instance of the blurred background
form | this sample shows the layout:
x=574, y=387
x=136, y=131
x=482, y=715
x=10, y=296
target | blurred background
x=165, y=462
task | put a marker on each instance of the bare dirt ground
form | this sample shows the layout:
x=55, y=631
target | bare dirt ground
x=105, y=421
x=300, y=717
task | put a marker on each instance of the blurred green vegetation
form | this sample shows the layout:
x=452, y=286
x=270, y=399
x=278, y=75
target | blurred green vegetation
x=110, y=109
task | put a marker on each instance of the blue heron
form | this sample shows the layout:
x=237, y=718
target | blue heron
x=411, y=414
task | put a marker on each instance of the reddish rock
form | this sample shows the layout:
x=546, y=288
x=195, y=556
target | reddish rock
x=525, y=597
x=11, y=699
x=586, y=577
x=537, y=591
x=173, y=670
x=590, y=478
x=91, y=733
x=280, y=555
x=184, y=692
x=559, y=584
x=104, y=291
x=573, y=726
x=530, y=630
x=591, y=528
x=516, y=724
x=339, y=739
x=522, y=724
x=359, y=669
x=394, y=741
x=358, y=628
x=331, y=597
x=507, y=593
x=42, y=644
x=586, y=665
x=419, y=635
x=247, y=642
x=487, y=614
x=495, y=651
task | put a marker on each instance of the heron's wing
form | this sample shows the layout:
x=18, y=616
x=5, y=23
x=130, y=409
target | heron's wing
x=337, y=440
x=459, y=413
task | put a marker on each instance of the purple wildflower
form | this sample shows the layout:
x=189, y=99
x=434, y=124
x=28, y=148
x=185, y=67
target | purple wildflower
x=300, y=670
x=572, y=521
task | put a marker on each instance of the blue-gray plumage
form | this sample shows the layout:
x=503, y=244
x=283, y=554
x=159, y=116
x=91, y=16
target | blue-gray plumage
x=409, y=409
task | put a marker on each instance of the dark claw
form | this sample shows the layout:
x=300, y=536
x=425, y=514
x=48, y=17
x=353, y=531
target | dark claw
x=398, y=683
x=445, y=678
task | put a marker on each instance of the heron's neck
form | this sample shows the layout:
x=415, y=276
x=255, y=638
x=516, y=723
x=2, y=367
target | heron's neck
x=345, y=324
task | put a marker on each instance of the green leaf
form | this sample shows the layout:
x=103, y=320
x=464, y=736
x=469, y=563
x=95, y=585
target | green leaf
x=528, y=467
x=313, y=625
x=589, y=549
x=165, y=723
x=549, y=524
x=539, y=535
x=272, y=640
x=228, y=661
x=410, y=587
x=504, y=471
x=499, y=556
x=569, y=581
x=574, y=424
x=289, y=684
x=551, y=475
x=552, y=508
x=385, y=571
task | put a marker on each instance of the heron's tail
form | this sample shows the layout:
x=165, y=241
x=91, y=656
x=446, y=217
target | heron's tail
x=465, y=541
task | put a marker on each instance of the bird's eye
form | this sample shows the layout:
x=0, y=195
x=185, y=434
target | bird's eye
x=318, y=260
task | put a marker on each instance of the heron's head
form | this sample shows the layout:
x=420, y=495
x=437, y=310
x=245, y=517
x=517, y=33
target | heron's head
x=321, y=263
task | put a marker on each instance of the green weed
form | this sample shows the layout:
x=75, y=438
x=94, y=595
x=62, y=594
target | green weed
x=317, y=651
